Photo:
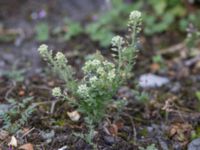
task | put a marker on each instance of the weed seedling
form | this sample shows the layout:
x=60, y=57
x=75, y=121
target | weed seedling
x=18, y=114
x=93, y=94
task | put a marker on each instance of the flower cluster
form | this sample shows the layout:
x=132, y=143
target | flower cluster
x=102, y=78
x=59, y=64
x=134, y=15
x=93, y=80
x=83, y=90
x=111, y=75
x=134, y=22
x=117, y=41
x=98, y=69
x=99, y=74
x=43, y=50
x=91, y=65
x=61, y=57
x=56, y=92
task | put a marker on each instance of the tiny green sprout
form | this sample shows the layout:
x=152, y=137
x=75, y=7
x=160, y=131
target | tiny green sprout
x=42, y=31
x=198, y=95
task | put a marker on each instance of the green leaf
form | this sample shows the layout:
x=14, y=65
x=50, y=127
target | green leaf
x=198, y=95
x=73, y=29
x=42, y=32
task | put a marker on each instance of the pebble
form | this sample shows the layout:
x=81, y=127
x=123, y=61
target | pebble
x=48, y=136
x=194, y=145
x=109, y=140
x=152, y=81
x=175, y=87
x=4, y=108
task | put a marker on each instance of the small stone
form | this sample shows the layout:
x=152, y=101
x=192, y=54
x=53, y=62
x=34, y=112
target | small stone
x=4, y=108
x=176, y=87
x=152, y=81
x=109, y=140
x=48, y=136
x=194, y=145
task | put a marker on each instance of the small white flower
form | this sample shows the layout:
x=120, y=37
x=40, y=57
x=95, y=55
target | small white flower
x=43, y=49
x=117, y=41
x=93, y=79
x=60, y=57
x=101, y=71
x=107, y=63
x=135, y=15
x=56, y=92
x=91, y=64
x=111, y=75
x=95, y=62
x=83, y=90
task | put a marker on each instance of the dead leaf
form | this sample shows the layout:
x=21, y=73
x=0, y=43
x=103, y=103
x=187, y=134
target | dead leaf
x=197, y=65
x=9, y=35
x=119, y=124
x=21, y=93
x=113, y=129
x=155, y=67
x=74, y=115
x=13, y=142
x=180, y=132
x=51, y=83
x=27, y=146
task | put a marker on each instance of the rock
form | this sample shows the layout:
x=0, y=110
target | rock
x=151, y=81
x=4, y=108
x=194, y=145
x=109, y=140
x=125, y=92
x=175, y=87
x=48, y=136
x=163, y=143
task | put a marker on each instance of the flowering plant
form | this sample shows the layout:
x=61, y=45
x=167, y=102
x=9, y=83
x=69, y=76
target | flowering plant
x=102, y=78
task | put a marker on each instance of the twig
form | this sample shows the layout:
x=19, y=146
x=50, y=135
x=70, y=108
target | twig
x=53, y=106
x=192, y=61
x=10, y=90
x=28, y=132
x=43, y=103
x=53, y=103
x=172, y=49
x=133, y=127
